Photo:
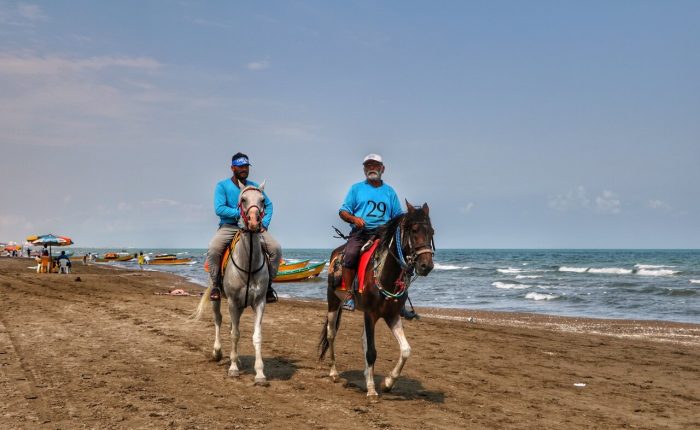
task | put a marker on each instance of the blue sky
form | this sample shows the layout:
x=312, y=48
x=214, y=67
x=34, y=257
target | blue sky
x=522, y=124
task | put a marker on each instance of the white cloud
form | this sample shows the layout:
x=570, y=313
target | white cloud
x=31, y=12
x=659, y=205
x=608, y=203
x=466, y=208
x=578, y=199
x=575, y=199
x=32, y=65
x=21, y=15
x=258, y=65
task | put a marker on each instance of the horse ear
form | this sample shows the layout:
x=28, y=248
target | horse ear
x=262, y=186
x=409, y=206
x=426, y=209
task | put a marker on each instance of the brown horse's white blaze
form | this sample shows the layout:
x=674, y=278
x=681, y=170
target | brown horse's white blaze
x=410, y=235
x=245, y=282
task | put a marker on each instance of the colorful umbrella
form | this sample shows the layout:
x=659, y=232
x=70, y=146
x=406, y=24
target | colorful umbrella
x=50, y=240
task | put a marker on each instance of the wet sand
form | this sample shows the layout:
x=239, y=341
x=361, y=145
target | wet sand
x=106, y=352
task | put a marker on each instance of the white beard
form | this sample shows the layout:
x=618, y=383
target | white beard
x=373, y=175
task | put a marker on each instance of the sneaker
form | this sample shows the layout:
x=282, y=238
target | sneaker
x=271, y=295
x=349, y=304
x=409, y=315
x=215, y=294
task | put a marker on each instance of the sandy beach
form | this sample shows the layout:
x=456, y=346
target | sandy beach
x=108, y=352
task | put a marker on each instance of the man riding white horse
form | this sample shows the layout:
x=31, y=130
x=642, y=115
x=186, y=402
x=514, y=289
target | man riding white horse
x=226, y=207
x=368, y=205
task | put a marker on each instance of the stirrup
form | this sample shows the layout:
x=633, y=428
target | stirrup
x=271, y=295
x=215, y=294
x=409, y=315
x=349, y=304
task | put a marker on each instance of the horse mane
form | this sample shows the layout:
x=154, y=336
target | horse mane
x=388, y=230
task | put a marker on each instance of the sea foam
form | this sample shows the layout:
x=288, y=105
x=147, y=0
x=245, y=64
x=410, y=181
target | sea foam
x=439, y=266
x=509, y=270
x=651, y=266
x=528, y=276
x=540, y=296
x=573, y=269
x=656, y=272
x=610, y=270
x=695, y=281
x=508, y=286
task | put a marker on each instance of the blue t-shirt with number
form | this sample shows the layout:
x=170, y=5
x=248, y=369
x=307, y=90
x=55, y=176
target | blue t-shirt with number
x=375, y=205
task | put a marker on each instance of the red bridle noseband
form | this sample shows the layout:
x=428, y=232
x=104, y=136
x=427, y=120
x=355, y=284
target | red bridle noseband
x=244, y=212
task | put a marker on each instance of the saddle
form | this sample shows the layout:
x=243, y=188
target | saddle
x=367, y=252
x=229, y=250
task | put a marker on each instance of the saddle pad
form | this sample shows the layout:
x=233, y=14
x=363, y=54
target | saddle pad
x=224, y=258
x=365, y=258
x=229, y=250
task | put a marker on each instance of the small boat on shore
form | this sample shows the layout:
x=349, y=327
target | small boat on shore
x=292, y=265
x=114, y=256
x=300, y=274
x=169, y=259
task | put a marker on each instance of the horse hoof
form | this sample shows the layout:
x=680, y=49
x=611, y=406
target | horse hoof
x=216, y=355
x=386, y=387
x=373, y=398
x=334, y=378
x=261, y=382
x=234, y=373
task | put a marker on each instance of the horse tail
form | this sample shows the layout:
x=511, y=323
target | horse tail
x=197, y=314
x=323, y=343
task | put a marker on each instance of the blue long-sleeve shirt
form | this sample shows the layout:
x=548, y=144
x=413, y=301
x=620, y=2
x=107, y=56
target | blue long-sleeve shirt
x=226, y=203
x=375, y=205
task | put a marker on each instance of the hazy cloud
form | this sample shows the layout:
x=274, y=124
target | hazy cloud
x=578, y=199
x=659, y=205
x=33, y=65
x=608, y=203
x=258, y=65
x=574, y=199
x=466, y=208
x=22, y=14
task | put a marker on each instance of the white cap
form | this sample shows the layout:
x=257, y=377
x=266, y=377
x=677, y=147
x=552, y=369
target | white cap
x=373, y=157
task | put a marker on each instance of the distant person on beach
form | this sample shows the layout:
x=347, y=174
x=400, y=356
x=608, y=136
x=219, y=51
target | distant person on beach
x=63, y=263
x=141, y=260
x=367, y=206
x=45, y=252
x=226, y=207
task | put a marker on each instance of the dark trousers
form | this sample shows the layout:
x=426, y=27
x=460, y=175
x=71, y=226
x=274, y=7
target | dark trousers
x=356, y=239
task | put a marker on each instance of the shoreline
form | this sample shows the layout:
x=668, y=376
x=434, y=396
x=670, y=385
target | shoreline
x=653, y=330
x=103, y=348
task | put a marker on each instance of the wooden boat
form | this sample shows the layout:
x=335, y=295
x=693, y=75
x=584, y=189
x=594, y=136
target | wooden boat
x=300, y=274
x=169, y=259
x=114, y=256
x=289, y=265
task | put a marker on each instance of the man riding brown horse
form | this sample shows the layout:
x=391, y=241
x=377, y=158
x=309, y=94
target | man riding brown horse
x=367, y=206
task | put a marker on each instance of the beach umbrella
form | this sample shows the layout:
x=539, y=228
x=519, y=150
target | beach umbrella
x=50, y=240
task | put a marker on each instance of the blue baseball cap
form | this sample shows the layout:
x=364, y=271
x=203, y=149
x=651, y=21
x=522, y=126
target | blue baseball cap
x=240, y=161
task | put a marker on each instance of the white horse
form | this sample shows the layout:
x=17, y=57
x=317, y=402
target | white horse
x=245, y=283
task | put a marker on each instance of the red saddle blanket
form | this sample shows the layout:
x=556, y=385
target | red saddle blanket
x=365, y=258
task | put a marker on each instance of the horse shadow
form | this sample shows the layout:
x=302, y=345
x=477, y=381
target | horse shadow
x=404, y=388
x=276, y=368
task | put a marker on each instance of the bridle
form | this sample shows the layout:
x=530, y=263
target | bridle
x=407, y=262
x=246, y=217
x=244, y=213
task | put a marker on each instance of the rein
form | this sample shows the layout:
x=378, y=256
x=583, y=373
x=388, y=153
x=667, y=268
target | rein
x=407, y=263
x=249, y=272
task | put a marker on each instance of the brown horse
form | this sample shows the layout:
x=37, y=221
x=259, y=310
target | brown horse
x=405, y=246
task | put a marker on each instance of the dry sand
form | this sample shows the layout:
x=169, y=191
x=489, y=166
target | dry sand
x=106, y=352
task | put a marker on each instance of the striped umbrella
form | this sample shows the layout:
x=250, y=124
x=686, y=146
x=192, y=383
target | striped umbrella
x=50, y=240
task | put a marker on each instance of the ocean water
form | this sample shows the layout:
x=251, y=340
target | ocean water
x=624, y=284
